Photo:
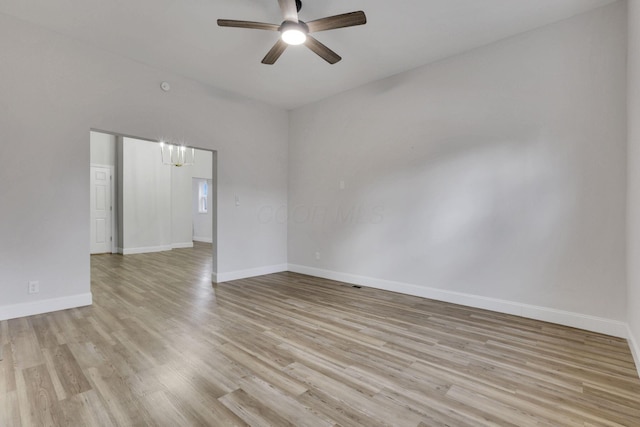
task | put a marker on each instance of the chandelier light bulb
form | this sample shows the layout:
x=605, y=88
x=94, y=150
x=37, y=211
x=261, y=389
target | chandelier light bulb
x=181, y=156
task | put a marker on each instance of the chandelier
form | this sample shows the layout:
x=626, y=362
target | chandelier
x=177, y=155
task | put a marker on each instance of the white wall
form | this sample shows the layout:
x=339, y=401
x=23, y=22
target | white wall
x=202, y=167
x=495, y=178
x=633, y=218
x=147, y=198
x=157, y=199
x=181, y=215
x=54, y=90
x=102, y=148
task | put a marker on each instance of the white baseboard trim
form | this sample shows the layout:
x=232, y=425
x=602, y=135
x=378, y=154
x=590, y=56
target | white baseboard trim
x=251, y=272
x=576, y=320
x=44, y=306
x=144, y=250
x=202, y=239
x=635, y=350
x=182, y=245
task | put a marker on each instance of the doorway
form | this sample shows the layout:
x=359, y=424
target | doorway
x=139, y=204
x=101, y=212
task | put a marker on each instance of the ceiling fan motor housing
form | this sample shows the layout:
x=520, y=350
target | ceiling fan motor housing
x=288, y=25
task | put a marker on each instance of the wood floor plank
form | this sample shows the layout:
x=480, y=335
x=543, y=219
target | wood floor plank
x=45, y=331
x=51, y=368
x=207, y=412
x=119, y=400
x=85, y=409
x=435, y=410
x=9, y=409
x=68, y=371
x=273, y=376
x=508, y=414
x=339, y=411
x=252, y=411
x=7, y=371
x=388, y=413
x=284, y=405
x=164, y=411
x=4, y=334
x=163, y=346
x=24, y=343
x=43, y=407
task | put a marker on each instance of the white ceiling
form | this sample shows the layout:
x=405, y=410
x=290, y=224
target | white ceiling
x=181, y=36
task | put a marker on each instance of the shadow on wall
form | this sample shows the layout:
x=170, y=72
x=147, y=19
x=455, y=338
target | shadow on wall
x=482, y=214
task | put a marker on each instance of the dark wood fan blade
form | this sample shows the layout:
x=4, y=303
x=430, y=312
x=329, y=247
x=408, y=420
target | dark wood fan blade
x=322, y=51
x=272, y=56
x=337, y=21
x=289, y=10
x=247, y=24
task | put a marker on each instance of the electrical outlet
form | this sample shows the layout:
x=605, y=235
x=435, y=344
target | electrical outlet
x=34, y=287
x=317, y=255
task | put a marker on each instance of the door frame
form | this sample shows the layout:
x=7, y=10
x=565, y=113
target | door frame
x=112, y=179
x=214, y=203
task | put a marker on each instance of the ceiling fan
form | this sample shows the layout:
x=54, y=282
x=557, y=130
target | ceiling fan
x=294, y=31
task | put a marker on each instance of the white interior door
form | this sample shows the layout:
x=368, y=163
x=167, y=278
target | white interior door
x=101, y=210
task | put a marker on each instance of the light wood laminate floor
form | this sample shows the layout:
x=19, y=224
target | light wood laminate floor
x=162, y=346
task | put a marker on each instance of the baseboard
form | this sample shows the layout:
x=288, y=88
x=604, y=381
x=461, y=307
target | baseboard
x=149, y=249
x=182, y=245
x=635, y=350
x=243, y=274
x=566, y=318
x=44, y=306
x=202, y=239
x=144, y=250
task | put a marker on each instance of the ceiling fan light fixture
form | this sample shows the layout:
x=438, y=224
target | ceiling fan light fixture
x=294, y=36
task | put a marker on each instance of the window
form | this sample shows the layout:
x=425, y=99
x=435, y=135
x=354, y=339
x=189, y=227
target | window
x=203, y=198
